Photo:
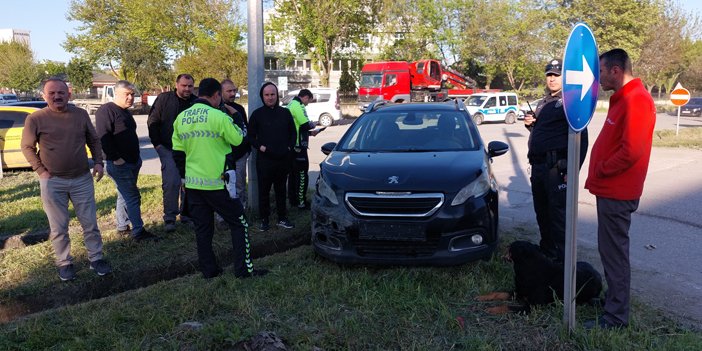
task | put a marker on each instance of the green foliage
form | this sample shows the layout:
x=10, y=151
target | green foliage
x=347, y=85
x=50, y=68
x=80, y=74
x=136, y=39
x=17, y=68
x=324, y=28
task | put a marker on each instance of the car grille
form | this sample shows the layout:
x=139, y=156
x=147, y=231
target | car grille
x=367, y=98
x=397, y=249
x=394, y=204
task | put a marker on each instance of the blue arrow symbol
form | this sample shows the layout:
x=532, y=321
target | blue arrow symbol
x=583, y=78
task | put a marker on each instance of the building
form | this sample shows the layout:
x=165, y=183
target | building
x=16, y=35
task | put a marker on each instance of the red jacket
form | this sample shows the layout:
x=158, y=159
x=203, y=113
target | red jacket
x=619, y=158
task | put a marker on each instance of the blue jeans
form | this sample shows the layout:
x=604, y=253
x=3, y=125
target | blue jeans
x=128, y=198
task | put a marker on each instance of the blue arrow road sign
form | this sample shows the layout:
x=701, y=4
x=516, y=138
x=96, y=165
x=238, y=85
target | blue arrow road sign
x=581, y=77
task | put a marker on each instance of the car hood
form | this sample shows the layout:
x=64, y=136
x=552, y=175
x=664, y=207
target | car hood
x=445, y=171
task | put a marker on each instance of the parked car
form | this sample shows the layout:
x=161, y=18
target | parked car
x=11, y=126
x=493, y=107
x=408, y=184
x=692, y=108
x=324, y=109
x=8, y=98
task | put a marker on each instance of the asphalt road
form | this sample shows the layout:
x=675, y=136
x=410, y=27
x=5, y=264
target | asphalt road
x=666, y=230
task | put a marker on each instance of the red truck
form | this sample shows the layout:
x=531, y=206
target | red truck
x=400, y=81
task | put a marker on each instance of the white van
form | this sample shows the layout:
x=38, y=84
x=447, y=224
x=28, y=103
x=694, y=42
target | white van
x=324, y=108
x=7, y=98
x=493, y=107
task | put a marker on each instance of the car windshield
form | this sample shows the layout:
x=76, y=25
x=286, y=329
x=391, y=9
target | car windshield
x=410, y=131
x=371, y=80
x=475, y=100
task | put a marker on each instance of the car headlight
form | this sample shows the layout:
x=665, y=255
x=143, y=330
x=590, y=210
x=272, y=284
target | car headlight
x=326, y=191
x=476, y=188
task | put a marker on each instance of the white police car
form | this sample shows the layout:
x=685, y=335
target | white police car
x=493, y=107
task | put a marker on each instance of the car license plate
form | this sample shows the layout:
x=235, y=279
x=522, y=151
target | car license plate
x=391, y=231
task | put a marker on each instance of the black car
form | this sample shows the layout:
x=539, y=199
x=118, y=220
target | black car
x=692, y=108
x=408, y=184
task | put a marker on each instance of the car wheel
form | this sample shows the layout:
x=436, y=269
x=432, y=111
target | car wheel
x=478, y=118
x=511, y=118
x=326, y=120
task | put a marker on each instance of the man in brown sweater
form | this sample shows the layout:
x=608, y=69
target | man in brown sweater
x=62, y=131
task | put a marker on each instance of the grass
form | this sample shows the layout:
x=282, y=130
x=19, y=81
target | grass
x=687, y=137
x=309, y=302
x=312, y=303
x=28, y=279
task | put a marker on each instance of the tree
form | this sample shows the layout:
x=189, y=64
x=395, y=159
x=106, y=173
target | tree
x=136, y=39
x=17, y=68
x=80, y=74
x=347, y=85
x=50, y=68
x=324, y=28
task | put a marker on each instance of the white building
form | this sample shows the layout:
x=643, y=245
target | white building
x=16, y=35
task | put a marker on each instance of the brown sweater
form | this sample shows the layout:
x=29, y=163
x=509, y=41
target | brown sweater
x=62, y=137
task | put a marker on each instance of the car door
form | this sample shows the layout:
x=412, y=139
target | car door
x=11, y=126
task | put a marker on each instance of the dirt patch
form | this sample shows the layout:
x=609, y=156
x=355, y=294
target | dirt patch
x=76, y=292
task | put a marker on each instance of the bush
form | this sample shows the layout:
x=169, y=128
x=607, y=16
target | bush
x=347, y=85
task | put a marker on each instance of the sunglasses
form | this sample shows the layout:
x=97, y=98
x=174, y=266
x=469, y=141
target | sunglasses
x=550, y=67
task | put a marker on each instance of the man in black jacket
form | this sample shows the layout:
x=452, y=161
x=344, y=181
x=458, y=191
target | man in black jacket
x=240, y=153
x=116, y=129
x=548, y=153
x=272, y=134
x=164, y=111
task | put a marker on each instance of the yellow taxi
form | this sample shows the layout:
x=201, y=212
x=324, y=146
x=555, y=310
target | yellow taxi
x=11, y=126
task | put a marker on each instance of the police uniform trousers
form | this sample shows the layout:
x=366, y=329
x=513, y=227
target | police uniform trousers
x=548, y=188
x=202, y=205
x=298, y=180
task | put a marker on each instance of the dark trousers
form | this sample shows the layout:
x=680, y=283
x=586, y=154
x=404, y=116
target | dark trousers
x=298, y=182
x=548, y=188
x=272, y=173
x=613, y=222
x=203, y=204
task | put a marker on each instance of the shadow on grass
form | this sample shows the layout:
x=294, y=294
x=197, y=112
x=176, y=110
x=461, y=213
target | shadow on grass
x=135, y=265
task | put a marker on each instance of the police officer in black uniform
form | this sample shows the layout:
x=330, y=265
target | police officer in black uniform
x=548, y=153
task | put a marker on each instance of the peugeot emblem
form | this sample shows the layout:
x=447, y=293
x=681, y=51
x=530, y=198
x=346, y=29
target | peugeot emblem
x=393, y=180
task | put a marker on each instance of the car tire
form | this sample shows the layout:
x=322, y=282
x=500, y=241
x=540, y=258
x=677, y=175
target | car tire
x=326, y=120
x=510, y=118
x=478, y=118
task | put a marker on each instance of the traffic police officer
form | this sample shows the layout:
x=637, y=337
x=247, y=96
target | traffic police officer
x=548, y=152
x=202, y=137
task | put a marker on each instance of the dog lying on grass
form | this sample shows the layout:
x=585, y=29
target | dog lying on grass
x=538, y=280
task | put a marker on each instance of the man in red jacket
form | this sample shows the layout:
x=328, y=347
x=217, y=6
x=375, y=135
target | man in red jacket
x=618, y=165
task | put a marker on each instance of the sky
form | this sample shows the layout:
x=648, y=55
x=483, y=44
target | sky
x=48, y=26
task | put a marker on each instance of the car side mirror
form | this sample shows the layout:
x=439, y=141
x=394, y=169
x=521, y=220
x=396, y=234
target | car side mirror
x=497, y=148
x=328, y=147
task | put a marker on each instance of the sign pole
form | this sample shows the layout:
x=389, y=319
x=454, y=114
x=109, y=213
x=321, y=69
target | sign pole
x=571, y=238
x=677, y=126
x=580, y=90
x=679, y=97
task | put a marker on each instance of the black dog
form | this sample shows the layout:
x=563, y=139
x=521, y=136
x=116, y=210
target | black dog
x=538, y=280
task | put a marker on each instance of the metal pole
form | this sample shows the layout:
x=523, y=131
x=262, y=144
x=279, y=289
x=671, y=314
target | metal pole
x=571, y=241
x=677, y=126
x=256, y=77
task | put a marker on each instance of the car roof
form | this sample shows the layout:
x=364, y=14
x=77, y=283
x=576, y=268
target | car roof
x=419, y=106
x=27, y=109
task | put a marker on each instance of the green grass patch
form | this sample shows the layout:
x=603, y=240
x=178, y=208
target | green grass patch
x=687, y=138
x=28, y=277
x=312, y=303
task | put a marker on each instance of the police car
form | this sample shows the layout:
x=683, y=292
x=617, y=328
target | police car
x=493, y=107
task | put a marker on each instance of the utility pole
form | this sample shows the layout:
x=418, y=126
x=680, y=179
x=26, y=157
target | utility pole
x=255, y=78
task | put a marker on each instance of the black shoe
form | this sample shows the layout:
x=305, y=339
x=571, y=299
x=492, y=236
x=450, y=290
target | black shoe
x=170, y=226
x=214, y=274
x=67, y=273
x=146, y=236
x=285, y=223
x=602, y=323
x=101, y=267
x=264, y=225
x=255, y=273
